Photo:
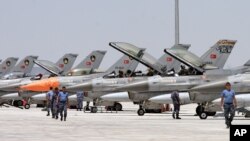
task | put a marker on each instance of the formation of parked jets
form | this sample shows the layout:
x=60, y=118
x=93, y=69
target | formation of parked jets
x=198, y=79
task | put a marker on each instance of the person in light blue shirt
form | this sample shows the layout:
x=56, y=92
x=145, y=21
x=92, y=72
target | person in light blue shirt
x=49, y=99
x=228, y=104
x=54, y=103
x=63, y=103
x=79, y=96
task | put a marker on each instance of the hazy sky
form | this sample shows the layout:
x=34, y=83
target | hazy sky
x=50, y=28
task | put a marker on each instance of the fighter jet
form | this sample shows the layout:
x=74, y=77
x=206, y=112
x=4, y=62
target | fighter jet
x=101, y=87
x=88, y=65
x=200, y=89
x=7, y=65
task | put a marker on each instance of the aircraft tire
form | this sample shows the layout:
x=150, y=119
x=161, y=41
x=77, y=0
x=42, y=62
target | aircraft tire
x=203, y=115
x=140, y=112
x=118, y=106
x=94, y=109
x=199, y=109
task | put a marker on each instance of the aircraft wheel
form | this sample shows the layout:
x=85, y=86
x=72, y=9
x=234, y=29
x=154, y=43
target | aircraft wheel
x=203, y=115
x=199, y=109
x=27, y=106
x=118, y=106
x=94, y=110
x=140, y=112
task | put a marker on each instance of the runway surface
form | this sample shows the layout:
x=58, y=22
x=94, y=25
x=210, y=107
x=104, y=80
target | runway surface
x=34, y=125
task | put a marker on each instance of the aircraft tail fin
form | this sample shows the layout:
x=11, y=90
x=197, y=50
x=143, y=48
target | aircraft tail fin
x=125, y=64
x=7, y=65
x=171, y=62
x=25, y=66
x=218, y=54
x=92, y=61
x=66, y=62
x=247, y=63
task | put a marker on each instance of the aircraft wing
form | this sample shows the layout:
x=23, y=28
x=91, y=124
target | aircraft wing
x=49, y=66
x=139, y=55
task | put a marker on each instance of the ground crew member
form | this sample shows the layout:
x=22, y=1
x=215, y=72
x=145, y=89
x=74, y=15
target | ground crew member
x=54, y=103
x=228, y=104
x=176, y=102
x=49, y=99
x=63, y=103
x=79, y=96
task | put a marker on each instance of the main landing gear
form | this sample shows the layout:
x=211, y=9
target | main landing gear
x=140, y=111
x=200, y=111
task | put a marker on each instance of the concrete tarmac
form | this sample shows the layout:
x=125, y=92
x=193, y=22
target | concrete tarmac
x=34, y=125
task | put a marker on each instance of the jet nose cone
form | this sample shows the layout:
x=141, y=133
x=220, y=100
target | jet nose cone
x=137, y=86
x=10, y=96
x=12, y=87
x=81, y=87
x=41, y=85
x=216, y=86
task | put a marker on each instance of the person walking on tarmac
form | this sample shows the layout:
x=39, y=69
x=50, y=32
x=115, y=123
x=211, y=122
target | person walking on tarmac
x=228, y=104
x=176, y=102
x=63, y=103
x=49, y=100
x=79, y=96
x=54, y=103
